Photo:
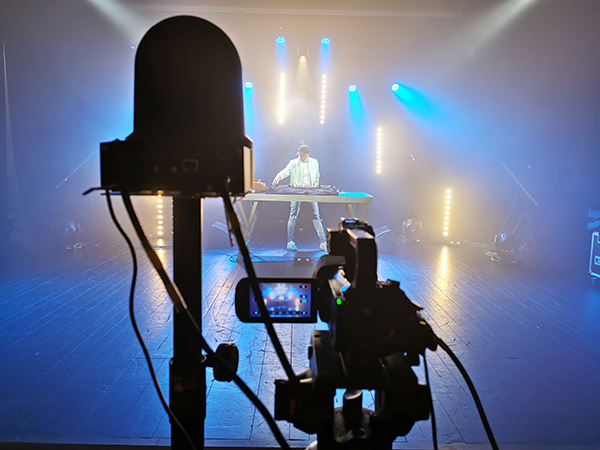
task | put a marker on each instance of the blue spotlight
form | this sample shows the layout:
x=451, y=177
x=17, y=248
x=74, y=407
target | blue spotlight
x=325, y=54
x=395, y=87
x=414, y=100
x=249, y=108
x=281, y=53
x=356, y=107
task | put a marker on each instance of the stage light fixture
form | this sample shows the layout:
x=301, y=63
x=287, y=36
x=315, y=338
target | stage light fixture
x=248, y=85
x=302, y=59
x=352, y=88
x=395, y=87
x=447, y=212
x=325, y=41
x=411, y=229
x=280, y=40
x=159, y=217
x=323, y=96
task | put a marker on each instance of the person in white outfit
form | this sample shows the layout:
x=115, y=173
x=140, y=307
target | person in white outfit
x=303, y=172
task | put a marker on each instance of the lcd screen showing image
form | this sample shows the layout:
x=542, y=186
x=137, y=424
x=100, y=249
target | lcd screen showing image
x=284, y=300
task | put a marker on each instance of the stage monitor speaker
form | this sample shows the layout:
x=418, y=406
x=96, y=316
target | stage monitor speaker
x=386, y=240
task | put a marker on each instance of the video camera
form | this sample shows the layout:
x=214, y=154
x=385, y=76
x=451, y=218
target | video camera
x=375, y=337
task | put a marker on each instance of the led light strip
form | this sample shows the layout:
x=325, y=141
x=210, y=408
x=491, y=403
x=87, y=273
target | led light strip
x=160, y=206
x=323, y=94
x=447, y=212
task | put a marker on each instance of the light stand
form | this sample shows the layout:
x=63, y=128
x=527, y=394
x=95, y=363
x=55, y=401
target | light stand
x=187, y=368
x=511, y=245
x=188, y=142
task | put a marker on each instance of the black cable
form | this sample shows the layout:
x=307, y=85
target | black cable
x=172, y=290
x=471, y=386
x=433, y=422
x=266, y=318
x=135, y=326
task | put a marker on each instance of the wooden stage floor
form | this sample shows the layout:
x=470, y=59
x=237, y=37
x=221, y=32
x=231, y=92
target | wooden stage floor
x=72, y=372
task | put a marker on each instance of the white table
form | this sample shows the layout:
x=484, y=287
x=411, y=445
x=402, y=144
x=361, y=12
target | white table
x=356, y=205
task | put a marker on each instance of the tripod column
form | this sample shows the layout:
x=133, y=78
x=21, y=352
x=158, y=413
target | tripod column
x=187, y=368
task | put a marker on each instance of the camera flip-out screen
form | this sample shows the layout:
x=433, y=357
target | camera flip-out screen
x=286, y=300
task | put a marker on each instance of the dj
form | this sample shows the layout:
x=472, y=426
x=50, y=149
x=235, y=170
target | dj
x=303, y=172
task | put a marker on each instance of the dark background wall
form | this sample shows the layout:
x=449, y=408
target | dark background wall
x=499, y=83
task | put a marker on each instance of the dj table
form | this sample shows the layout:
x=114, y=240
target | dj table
x=356, y=205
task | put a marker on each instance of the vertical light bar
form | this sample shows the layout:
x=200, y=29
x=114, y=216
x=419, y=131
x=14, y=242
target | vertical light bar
x=281, y=97
x=160, y=215
x=447, y=204
x=323, y=95
x=379, y=150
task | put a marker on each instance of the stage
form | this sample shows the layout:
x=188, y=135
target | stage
x=73, y=373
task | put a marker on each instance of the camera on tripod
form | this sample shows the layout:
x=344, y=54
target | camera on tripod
x=189, y=142
x=375, y=337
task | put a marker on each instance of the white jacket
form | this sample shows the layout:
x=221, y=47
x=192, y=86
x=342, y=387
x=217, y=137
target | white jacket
x=295, y=170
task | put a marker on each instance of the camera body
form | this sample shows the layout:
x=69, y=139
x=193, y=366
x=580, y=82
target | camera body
x=368, y=319
x=375, y=337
